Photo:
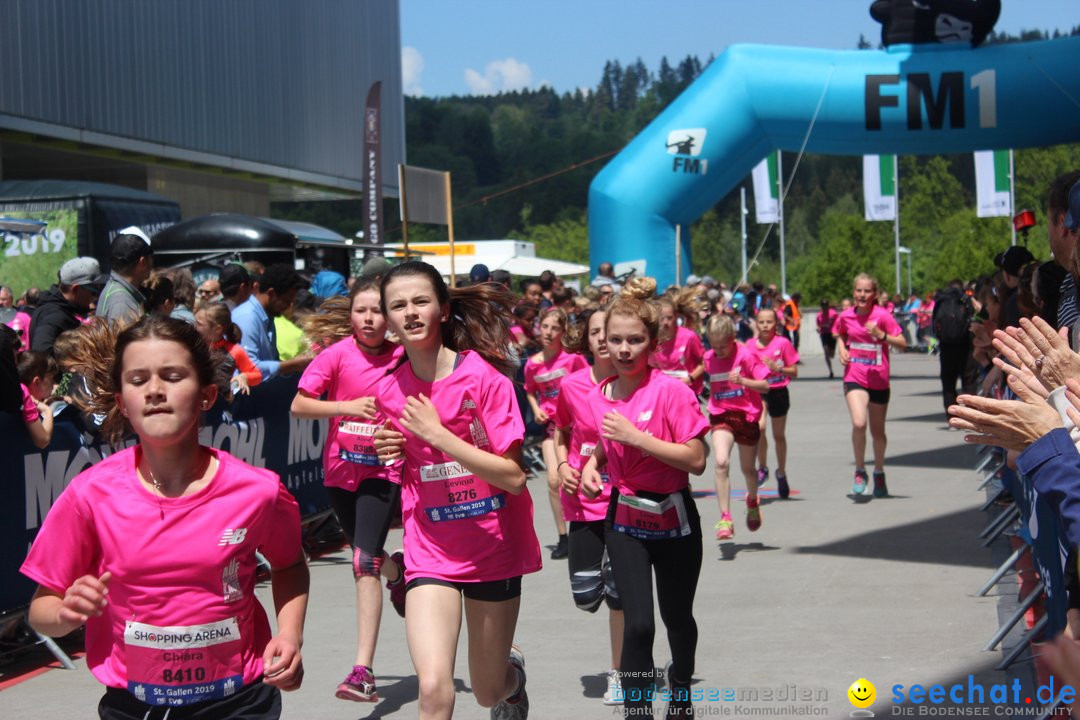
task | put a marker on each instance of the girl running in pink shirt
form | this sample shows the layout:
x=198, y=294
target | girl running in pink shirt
x=153, y=548
x=679, y=352
x=576, y=438
x=544, y=374
x=468, y=517
x=866, y=332
x=778, y=355
x=737, y=380
x=651, y=438
x=363, y=492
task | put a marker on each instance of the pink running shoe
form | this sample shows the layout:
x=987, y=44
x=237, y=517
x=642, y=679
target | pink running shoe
x=358, y=686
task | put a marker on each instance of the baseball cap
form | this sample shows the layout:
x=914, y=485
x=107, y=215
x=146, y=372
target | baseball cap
x=127, y=249
x=376, y=265
x=136, y=231
x=479, y=273
x=1013, y=259
x=1072, y=217
x=79, y=271
x=232, y=277
x=692, y=279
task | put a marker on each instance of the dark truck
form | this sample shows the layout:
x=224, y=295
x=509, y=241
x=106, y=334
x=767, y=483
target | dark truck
x=81, y=219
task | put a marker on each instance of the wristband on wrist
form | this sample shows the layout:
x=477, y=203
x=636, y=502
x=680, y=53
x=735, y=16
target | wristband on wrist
x=557, y=467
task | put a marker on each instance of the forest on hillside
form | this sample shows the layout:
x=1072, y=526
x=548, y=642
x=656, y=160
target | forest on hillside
x=521, y=163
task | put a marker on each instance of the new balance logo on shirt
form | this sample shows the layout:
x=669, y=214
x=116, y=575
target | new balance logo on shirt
x=232, y=536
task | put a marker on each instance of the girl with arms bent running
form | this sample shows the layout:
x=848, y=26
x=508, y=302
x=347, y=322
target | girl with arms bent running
x=468, y=516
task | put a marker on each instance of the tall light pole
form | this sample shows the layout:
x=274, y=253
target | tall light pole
x=906, y=251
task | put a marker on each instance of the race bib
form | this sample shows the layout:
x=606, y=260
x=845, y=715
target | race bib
x=552, y=375
x=356, y=442
x=448, y=491
x=725, y=391
x=776, y=379
x=181, y=665
x=680, y=374
x=647, y=519
x=865, y=353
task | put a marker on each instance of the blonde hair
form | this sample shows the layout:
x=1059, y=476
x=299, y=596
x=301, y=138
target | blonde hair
x=636, y=300
x=687, y=303
x=720, y=327
x=331, y=323
x=866, y=276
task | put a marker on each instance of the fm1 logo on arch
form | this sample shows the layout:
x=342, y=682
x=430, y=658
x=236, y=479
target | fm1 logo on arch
x=938, y=95
x=686, y=145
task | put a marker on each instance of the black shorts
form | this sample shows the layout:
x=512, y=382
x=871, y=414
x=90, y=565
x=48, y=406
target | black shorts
x=828, y=341
x=490, y=591
x=256, y=701
x=878, y=397
x=778, y=402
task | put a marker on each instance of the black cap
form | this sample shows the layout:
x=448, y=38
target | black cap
x=127, y=249
x=232, y=277
x=1013, y=259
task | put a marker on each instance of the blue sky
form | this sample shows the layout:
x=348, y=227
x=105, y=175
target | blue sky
x=459, y=47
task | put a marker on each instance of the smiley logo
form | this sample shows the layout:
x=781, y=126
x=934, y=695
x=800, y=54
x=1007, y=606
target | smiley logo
x=862, y=693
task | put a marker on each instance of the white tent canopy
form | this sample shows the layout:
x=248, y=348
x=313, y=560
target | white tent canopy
x=515, y=256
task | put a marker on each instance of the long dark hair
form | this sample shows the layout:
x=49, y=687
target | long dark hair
x=479, y=314
x=10, y=390
x=102, y=354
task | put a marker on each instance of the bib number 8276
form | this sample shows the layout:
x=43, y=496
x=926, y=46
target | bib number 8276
x=457, y=496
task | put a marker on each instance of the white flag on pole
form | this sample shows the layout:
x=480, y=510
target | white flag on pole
x=766, y=191
x=879, y=187
x=992, y=183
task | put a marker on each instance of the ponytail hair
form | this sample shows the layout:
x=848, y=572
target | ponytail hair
x=576, y=338
x=480, y=315
x=219, y=314
x=637, y=300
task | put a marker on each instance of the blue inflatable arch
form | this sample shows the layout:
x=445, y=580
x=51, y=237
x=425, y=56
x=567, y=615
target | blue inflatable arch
x=908, y=99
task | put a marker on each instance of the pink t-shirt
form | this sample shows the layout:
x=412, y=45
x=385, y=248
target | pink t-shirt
x=779, y=350
x=458, y=527
x=544, y=378
x=869, y=364
x=680, y=356
x=345, y=372
x=183, y=624
x=723, y=396
x=825, y=320
x=665, y=408
x=29, y=407
x=572, y=414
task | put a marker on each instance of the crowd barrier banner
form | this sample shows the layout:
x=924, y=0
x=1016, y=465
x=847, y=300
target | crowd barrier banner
x=257, y=429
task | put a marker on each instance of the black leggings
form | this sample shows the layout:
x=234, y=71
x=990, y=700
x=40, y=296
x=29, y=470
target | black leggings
x=676, y=564
x=590, y=568
x=365, y=515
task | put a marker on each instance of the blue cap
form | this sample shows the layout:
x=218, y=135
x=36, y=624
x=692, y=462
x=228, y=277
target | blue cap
x=479, y=273
x=1072, y=218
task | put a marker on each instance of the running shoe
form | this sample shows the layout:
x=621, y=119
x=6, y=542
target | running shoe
x=880, y=490
x=515, y=707
x=859, y=486
x=561, y=550
x=753, y=514
x=358, y=686
x=397, y=587
x=782, y=487
x=613, y=695
x=725, y=529
x=762, y=476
